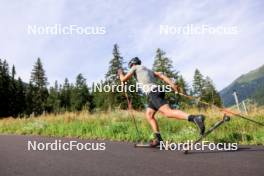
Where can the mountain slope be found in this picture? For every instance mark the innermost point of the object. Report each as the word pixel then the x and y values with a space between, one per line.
pixel 250 85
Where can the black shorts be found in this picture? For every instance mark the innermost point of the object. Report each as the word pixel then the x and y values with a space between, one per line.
pixel 156 100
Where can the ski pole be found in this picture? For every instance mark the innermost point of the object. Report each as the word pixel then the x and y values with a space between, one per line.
pixel 221 109
pixel 130 110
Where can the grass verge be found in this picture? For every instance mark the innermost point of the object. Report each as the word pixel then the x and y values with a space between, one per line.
pixel 118 126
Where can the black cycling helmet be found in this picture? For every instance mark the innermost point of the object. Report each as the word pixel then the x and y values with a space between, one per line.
pixel 134 60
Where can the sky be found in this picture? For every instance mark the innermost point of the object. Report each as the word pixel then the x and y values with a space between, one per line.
pixel 136 27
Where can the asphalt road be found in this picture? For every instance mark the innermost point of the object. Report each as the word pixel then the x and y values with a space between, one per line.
pixel 120 158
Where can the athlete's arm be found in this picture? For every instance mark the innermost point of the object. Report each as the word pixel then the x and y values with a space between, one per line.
pixel 124 77
pixel 167 80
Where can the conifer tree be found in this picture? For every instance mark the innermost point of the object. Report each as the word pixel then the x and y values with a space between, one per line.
pixel 53 101
pixel 115 63
pixel 29 99
pixel 13 106
pixel 20 97
pixel 12 102
pixel 205 89
pixel 198 84
pixel 114 99
pixel 163 64
pixel 100 98
pixel 13 72
pixel 39 82
pixel 210 93
pixel 183 101
pixel 65 95
pixel 5 92
pixel 81 98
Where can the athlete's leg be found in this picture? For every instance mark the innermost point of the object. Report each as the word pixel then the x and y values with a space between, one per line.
pixel 177 114
pixel 173 113
pixel 150 115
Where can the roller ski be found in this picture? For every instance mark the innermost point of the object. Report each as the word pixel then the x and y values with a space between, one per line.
pixel 215 126
pixel 155 143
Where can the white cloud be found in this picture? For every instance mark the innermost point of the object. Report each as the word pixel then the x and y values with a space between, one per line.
pixel 222 57
pixel 135 27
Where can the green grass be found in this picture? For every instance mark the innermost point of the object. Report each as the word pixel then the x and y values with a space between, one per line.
pixel 119 126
